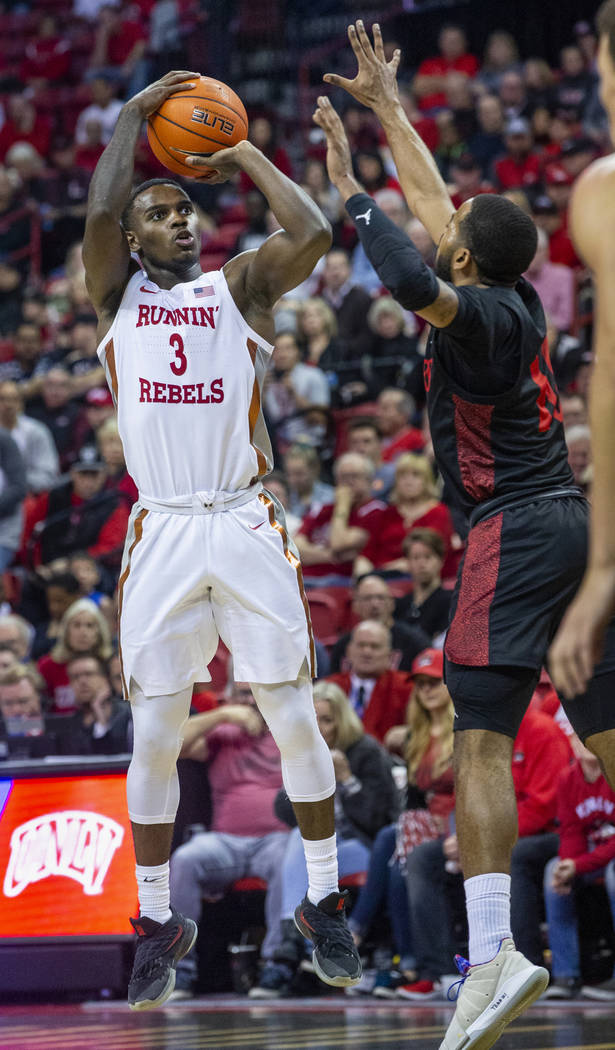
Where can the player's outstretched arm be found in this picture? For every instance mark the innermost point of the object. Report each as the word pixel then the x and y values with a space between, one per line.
pixel 394 257
pixel 375 85
pixel 578 643
pixel 287 257
pixel 105 250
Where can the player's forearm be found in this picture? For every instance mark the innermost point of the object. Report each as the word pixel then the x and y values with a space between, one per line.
pixel 113 177
pixel 295 211
pixel 423 186
pixel 602 414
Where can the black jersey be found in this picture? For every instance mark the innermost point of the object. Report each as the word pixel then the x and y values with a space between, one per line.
pixel 494 411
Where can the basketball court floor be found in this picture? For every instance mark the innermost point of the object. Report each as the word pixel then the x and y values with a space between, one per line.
pixel 229 1023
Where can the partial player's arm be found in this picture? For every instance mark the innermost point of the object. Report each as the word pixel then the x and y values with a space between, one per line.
pixel 394 257
pixel 579 641
pixel 375 86
pixel 287 257
pixel 105 250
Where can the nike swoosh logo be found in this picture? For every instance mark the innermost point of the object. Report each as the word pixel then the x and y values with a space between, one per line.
pixel 179 934
pixel 306 923
pixel 255 527
pixel 149 291
pixel 156 878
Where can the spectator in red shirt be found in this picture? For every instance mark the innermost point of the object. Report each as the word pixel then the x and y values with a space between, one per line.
pixel 586 814
pixel 378 695
pixel 414 504
pixel 559 185
pixel 24 124
pixel 331 537
pixel 429 83
pixel 120 45
pixel 519 166
pixel 394 411
pixel 548 218
pixel 83 632
pixel 47 55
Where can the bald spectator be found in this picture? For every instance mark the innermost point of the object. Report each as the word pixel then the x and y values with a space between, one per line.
pixel 55 408
pixel 16 634
pixel 394 413
pixel 349 302
pixel 330 538
pixel 378 694
pixel 554 283
pixel 579 441
pixel 364 437
pixel 33 439
pixel 307 492
pixel 372 600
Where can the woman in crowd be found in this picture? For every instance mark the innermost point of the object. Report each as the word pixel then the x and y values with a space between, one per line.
pixel 365 801
pixel 83 632
pixel 428 749
pixel 317 333
pixel 414 504
pixel 112 452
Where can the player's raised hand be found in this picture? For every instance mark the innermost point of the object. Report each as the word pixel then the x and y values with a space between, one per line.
pixel 579 641
pixel 152 97
pixel 339 160
pixel 375 84
pixel 222 165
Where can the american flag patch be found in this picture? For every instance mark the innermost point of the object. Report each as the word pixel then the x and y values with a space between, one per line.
pixel 204 290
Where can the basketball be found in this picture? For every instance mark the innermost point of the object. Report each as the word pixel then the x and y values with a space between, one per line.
pixel 202 120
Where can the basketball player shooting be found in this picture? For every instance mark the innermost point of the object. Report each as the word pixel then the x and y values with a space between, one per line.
pixel 497 434
pixel 207 553
pixel 580 640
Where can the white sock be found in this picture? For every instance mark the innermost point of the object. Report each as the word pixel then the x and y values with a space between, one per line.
pixel 154 894
pixel 321 860
pixel 488 907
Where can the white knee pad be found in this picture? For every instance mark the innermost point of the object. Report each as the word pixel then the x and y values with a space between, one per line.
pixel 152 786
pixel 307 767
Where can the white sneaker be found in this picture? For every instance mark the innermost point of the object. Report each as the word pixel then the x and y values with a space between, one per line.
pixel 491 996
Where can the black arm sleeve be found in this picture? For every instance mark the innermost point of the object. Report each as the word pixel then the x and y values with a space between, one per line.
pixel 395 259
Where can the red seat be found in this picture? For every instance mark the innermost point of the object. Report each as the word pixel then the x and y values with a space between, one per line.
pixel 329 610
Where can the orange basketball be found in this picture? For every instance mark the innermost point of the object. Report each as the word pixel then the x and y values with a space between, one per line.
pixel 202 120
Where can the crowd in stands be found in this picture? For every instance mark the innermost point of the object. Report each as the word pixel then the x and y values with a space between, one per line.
pixel 380 541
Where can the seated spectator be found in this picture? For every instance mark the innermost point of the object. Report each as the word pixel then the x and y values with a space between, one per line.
pixel 78 515
pixel 574 86
pixel 350 303
pixel 394 412
pixel 487 142
pixel 554 283
pixel 306 491
pixel 104 107
pixel 579 442
pixel 558 184
pixel 101 724
pixel 112 452
pixel 55 408
pixel 16 635
pixel 246 838
pixel 12 491
pixel 548 218
pixel 83 632
pixel 392 203
pixel 539 753
pixel 81 359
pixel 585 809
pixel 378 695
pixel 291 386
pixel 33 439
pixel 519 166
pixel 61 591
pixel 317 330
pixel 364 437
pixel 513 95
pixel 574 410
pixel 539 81
pixel 277 485
pixel 28 364
pixel 394 358
pixel 256 231
pixel 365 801
pixel 428 604
pixel 119 48
pixel 89 152
pixel 262 134
pixel 315 182
pixel 333 535
pixel 47 55
pixel 467 179
pixel 22 725
pixel 430 81
pixel 372 173
pixel 24 124
pixel 90 576
pixel 98 407
pixel 66 194
pixel 428 755
pixel 501 55
pixel 413 504
pixel 372 600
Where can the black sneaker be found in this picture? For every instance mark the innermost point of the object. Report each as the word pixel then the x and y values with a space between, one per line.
pixel 160 946
pixel 335 956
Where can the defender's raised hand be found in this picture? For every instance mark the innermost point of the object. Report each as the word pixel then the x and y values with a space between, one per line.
pixel 152 97
pixel 375 84
pixel 339 160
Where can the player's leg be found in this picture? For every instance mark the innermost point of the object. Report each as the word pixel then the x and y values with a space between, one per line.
pixel 499 982
pixel 309 779
pixel 152 788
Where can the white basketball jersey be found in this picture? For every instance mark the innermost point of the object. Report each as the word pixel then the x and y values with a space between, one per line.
pixel 186 372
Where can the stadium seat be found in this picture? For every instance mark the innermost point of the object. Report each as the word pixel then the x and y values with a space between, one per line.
pixel 329 609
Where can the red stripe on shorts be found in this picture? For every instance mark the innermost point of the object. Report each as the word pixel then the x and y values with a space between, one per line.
pixel 467 641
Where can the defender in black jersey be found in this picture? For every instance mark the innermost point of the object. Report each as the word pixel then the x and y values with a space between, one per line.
pixel 498 440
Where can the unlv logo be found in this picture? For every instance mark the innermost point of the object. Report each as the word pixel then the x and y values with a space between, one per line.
pixel 212 120
pixel 427 365
pixel 74 843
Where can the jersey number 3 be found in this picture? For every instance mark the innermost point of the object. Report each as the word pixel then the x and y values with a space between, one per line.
pixel 547 400
pixel 180 364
